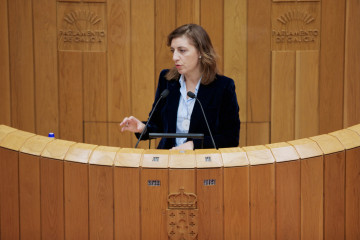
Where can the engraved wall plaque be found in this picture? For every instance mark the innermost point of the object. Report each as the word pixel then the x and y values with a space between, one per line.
pixel 295 26
pixel 82 27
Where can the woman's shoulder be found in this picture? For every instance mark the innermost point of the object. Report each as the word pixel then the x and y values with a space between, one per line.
pixel 224 81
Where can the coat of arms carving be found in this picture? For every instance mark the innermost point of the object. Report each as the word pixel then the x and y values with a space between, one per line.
pixel 182 216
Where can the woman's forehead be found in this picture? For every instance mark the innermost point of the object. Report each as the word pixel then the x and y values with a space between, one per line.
pixel 181 41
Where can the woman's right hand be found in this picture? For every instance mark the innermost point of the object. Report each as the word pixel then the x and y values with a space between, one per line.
pixel 132 124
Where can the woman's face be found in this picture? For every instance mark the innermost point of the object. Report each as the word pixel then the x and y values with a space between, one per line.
pixel 185 56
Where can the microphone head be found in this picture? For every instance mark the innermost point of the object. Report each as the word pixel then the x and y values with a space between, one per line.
pixel 165 93
pixel 191 94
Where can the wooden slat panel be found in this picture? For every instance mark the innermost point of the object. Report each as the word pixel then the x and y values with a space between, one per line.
pixel 95 101
pixel 46 75
pixel 52 198
pixel 307 94
pixel 212 20
pixel 142 57
pixel 262 202
pixel 235 44
pixel 288 215
pixel 352 204
pixel 76 196
pixel 257 133
pixel 312 198
pixel 9 194
pixel 5 104
pixel 96 133
pixel 282 96
pixel 258 55
pixel 236 203
pixel 119 62
pixel 165 23
pixel 118 138
pixel 153 204
pixel 21 65
pixel 243 134
pixel 334 196
pixel 101 202
pixel 70 96
pixel 182 178
pixel 331 83
pixel 187 11
pixel 210 204
pixel 127 203
pixel 352 62
pixel 29 191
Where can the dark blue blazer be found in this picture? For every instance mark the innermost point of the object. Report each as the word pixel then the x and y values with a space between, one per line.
pixel 220 106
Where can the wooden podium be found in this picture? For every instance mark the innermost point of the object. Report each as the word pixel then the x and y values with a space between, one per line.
pixel 301 189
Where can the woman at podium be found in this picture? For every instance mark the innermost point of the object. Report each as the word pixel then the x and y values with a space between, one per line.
pixel 193 83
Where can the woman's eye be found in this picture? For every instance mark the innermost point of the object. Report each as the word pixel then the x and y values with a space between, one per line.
pixel 182 50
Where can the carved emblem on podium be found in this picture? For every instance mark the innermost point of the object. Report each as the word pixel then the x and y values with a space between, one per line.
pixel 182 215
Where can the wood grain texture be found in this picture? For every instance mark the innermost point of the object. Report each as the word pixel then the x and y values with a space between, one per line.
pixel 127 203
pixel 154 204
pixel 334 196
pixel 164 24
pixel 9 194
pixel 76 200
pixel 235 46
pixel 187 11
pixel 258 57
pixel 331 81
pixel 118 138
pixel 352 194
pixel 96 133
pixel 70 96
pixel 29 193
pixel 288 214
pixel 119 70
pixel 312 198
pixel 95 86
pixel 257 133
pixel 142 61
pixel 22 65
pixel 184 178
pixel 5 104
pixel 262 202
pixel 282 96
pixel 101 202
pixel 46 67
pixel 212 20
pixel 210 204
pixel 52 198
pixel 236 203
pixel 352 62
pixel 307 94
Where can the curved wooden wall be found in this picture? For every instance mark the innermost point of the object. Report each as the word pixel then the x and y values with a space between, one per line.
pixel 288 87
pixel 301 189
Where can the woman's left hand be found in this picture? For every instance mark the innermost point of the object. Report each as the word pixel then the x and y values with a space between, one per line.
pixel 185 146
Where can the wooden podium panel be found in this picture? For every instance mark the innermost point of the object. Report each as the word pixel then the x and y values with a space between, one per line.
pixel 127 203
pixel 288 215
pixel 334 195
pixel 154 188
pixel 52 198
pixel 9 194
pixel 29 191
pixel 236 203
pixel 101 202
pixel 76 196
pixel 352 194
pixel 312 198
pixel 210 203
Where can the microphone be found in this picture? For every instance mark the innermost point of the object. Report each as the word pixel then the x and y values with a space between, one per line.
pixel 192 95
pixel 164 94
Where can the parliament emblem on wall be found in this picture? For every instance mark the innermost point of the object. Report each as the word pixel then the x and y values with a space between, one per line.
pixel 295 26
pixel 182 216
pixel 82 27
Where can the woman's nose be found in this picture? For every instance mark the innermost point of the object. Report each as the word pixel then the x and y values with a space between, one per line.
pixel 175 56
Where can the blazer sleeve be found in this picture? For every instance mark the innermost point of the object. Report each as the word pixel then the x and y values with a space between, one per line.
pixel 227 127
